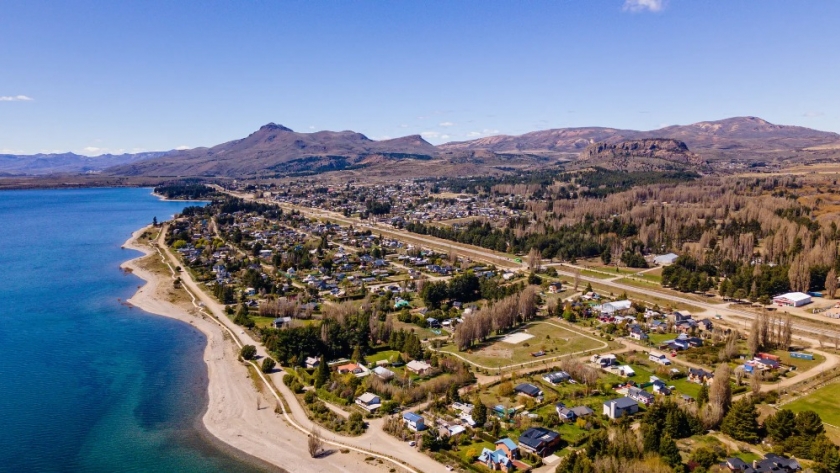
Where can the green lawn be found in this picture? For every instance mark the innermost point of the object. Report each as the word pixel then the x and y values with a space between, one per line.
pixel 823 401
pixel 552 339
pixel 801 365
pixel 597 274
pixel 389 355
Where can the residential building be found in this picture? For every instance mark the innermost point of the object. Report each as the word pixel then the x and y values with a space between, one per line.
pixel 369 402
pixel 496 461
pixel 557 377
pixel 539 440
pixel 528 389
pixel 414 422
pixel 620 407
pixel 418 367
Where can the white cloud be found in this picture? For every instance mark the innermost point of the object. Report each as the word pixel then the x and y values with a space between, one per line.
pixel 91 149
pixel 444 137
pixel 644 5
pixel 403 126
pixel 15 98
pixel 812 114
pixel 474 134
pixel 447 124
pixel 430 134
pixel 182 147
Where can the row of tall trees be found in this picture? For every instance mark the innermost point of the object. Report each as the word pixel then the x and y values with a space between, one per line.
pixel 498 317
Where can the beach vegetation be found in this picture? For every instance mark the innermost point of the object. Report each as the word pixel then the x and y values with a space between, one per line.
pixel 268 364
pixel 248 352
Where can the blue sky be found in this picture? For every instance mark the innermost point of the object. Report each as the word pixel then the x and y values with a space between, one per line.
pixel 104 76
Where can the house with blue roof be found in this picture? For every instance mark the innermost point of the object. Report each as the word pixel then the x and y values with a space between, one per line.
pixel 509 447
pixel 496 461
pixel 414 422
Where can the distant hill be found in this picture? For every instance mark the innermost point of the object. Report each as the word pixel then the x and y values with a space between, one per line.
pixel 739 138
pixel 66 163
pixel 653 154
pixel 277 149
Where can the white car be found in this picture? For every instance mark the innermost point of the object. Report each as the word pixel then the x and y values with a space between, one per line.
pixel 412 443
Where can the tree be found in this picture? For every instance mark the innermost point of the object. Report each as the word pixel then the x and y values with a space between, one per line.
pixel 669 452
pixel 479 413
pixel 434 293
pixel 781 425
pixel 315 442
pixel 809 424
pixel 705 457
pixel 322 372
pixel 741 422
pixel 831 283
pixel 755 384
pixel 154 221
pixel 248 352
pixel 268 364
pixel 703 395
pixel 575 462
pixel 720 392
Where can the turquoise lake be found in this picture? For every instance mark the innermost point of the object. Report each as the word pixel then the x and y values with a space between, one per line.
pixel 88 384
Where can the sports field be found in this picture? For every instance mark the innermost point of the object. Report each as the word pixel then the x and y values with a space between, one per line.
pixel 548 337
pixel 825 401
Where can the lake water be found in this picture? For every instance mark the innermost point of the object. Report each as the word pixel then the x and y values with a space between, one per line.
pixel 88 384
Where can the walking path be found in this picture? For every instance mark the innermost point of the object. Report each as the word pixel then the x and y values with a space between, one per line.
pixel 398 453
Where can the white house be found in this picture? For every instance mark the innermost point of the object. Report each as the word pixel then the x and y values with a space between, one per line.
pixel 383 373
pixel 792 299
pixel 659 358
pixel 620 407
pixel 418 367
pixel 369 402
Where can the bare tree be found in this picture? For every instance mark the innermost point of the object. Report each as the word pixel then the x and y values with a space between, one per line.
pixel 315 443
pixel 831 283
pixel 755 383
pixel 577 278
pixel 720 391
pixel 534 259
pixel 753 339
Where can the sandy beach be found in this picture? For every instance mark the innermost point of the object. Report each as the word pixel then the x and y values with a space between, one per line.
pixel 232 414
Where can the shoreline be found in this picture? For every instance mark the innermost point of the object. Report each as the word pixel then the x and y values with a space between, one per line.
pixel 231 420
pixel 145 300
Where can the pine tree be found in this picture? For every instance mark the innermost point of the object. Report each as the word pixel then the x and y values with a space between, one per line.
pixel 781 425
pixel 322 373
pixel 479 413
pixel 741 422
pixel 669 452
pixel 703 395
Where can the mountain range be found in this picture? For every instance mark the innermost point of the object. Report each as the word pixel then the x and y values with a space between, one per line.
pixel 275 150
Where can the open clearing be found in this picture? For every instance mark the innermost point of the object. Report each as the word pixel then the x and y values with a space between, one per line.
pixel 823 401
pixel 548 337
pixel 516 338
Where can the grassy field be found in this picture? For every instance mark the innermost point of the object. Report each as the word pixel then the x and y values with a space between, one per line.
pixel 597 274
pixel 823 401
pixel 801 365
pixel 682 385
pixel 552 339
pixel 387 355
